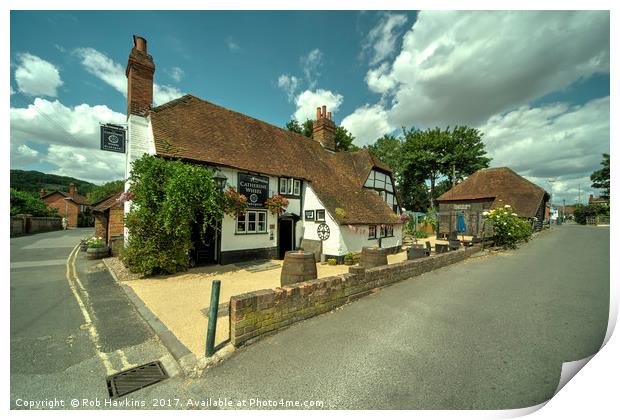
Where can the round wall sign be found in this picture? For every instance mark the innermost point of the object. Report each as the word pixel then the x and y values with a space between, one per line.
pixel 323 231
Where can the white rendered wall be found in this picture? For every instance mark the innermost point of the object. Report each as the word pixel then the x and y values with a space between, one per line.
pixel 333 245
pixel 354 241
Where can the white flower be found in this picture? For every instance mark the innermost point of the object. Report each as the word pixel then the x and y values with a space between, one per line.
pixel 514 214
pixel 507 206
pixel 504 223
pixel 485 213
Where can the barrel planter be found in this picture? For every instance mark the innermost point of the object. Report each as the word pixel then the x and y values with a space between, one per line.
pixel 97 253
pixel 416 251
pixel 454 245
pixel 298 266
pixel 83 245
pixel 373 257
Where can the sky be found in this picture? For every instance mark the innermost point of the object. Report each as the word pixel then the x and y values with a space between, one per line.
pixel 535 83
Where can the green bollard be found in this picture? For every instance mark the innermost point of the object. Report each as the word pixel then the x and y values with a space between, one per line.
pixel 215 300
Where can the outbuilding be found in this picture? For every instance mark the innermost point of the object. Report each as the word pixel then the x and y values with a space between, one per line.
pixel 70 205
pixel 487 189
pixel 338 201
pixel 109 221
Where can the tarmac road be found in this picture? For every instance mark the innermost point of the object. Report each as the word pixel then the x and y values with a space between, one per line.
pixel 488 333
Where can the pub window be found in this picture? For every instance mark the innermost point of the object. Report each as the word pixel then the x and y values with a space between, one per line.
pixel 320 216
pixel 389 230
pixel 382 231
pixel 252 222
pixel 290 186
pixel 372 232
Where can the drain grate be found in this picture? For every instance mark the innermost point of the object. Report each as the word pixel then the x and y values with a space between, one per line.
pixel 133 379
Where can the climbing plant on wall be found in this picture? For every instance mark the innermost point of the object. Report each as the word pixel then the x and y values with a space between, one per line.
pixel 168 198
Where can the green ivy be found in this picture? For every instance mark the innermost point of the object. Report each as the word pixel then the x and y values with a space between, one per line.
pixel 169 198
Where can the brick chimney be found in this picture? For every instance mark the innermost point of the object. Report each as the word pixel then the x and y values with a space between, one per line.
pixel 139 72
pixel 324 129
pixel 42 192
pixel 72 190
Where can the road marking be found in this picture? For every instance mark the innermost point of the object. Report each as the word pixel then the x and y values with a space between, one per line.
pixel 43 263
pixel 124 361
pixel 92 330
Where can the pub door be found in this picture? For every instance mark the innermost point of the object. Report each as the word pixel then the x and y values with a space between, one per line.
pixel 286 238
pixel 205 246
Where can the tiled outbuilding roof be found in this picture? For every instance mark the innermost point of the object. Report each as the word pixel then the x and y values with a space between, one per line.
pixel 107 203
pixel 502 184
pixel 197 130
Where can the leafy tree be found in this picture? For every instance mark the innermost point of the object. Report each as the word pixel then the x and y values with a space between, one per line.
pixel 23 202
pixel 344 139
pixel 465 153
pixel 103 191
pixel 389 150
pixel 434 153
pixel 304 129
pixel 582 212
pixel 600 178
pixel 169 198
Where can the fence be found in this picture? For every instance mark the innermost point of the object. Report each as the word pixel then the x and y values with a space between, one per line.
pixel 24 224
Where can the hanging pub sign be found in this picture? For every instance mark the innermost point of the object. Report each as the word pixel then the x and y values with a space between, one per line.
pixel 113 138
pixel 255 188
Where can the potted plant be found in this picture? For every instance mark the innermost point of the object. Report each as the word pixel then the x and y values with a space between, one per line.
pixel 332 261
pixel 348 259
pixel 96 248
pixel 277 204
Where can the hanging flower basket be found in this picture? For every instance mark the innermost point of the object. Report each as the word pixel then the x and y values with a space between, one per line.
pixel 235 204
pixel 277 204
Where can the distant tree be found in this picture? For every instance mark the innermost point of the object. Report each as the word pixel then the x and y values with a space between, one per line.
pixel 23 202
pixel 344 140
pixel 33 181
pixel 600 178
pixel 304 129
pixel 435 153
pixel 389 150
pixel 103 191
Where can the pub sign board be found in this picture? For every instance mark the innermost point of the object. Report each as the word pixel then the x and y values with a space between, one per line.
pixel 113 138
pixel 255 188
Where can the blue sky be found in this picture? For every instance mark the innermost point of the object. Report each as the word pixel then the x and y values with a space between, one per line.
pixel 534 83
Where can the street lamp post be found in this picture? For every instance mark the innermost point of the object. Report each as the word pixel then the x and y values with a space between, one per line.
pixel 550 182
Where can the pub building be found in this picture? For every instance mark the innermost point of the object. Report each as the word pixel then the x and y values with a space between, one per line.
pixel 338 201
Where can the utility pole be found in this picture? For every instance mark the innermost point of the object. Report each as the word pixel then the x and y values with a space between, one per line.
pixel 579 189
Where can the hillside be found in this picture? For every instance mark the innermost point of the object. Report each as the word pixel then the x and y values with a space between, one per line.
pixel 33 181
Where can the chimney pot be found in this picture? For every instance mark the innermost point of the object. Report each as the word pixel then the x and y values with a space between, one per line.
pixel 318 113
pixel 329 115
pixel 139 43
pixel 324 113
pixel 42 192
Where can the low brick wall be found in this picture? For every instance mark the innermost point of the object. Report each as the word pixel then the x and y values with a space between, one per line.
pixel 256 313
pixel 22 225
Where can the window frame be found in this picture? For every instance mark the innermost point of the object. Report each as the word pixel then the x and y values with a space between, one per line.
pixel 373 229
pixel 246 221
pixel 290 187
pixel 317 217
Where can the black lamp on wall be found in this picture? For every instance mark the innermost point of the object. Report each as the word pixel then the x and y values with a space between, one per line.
pixel 220 180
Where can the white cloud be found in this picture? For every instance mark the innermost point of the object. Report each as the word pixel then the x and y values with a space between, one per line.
pixel 289 85
pixel 35 76
pixel 464 67
pixel 381 40
pixel 71 135
pixel 308 101
pixel 176 73
pixel 367 124
pixel 310 65
pixel 551 142
pixel 112 73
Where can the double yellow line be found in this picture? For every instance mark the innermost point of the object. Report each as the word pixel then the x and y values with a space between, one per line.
pixel 82 298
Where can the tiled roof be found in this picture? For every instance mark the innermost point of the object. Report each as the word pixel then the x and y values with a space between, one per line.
pixel 108 202
pixel 197 130
pixel 503 184
pixel 79 199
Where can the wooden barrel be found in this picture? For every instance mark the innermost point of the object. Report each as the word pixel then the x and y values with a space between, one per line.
pixel 96 253
pixel 298 266
pixel 373 257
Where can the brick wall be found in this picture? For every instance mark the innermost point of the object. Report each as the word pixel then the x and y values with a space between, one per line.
pixel 101 226
pixel 21 225
pixel 260 312
pixel 65 208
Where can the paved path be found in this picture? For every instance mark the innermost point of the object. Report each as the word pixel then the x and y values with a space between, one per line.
pixel 55 352
pixel 488 333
